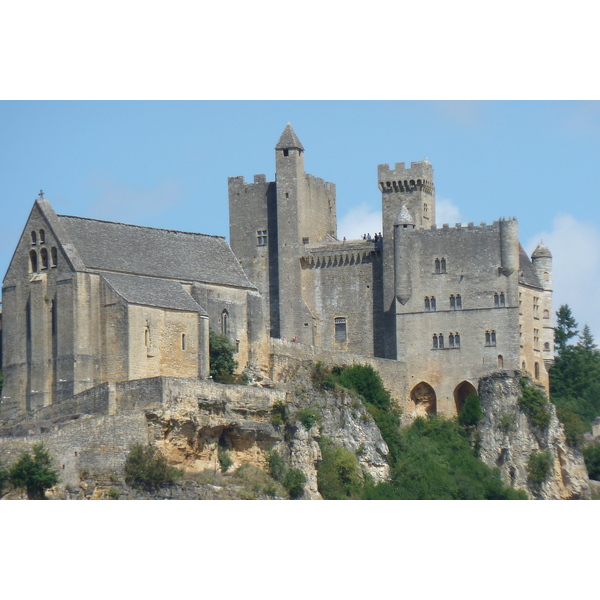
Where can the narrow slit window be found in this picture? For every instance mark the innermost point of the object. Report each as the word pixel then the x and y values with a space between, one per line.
pixel 433 303
pixel 435 340
pixel 443 265
pixel 225 322
pixel 502 299
pixel 458 301
pixel 42 236
pixel 496 300
pixel 32 261
pixel 54 257
pixel 452 302
pixel 441 340
pixel 437 265
pixel 456 340
pixel 44 258
pixel 427 303
pixel 451 340
pixel 183 341
pixel 33 238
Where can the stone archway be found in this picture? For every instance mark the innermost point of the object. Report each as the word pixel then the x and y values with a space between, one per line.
pixel 424 399
pixel 461 392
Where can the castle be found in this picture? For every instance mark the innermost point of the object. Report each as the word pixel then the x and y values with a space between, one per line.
pixel 87 302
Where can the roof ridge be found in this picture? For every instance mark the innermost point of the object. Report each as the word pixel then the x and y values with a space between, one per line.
pixel 142 226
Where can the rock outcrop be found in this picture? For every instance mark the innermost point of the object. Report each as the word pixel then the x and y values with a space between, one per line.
pixel 508 439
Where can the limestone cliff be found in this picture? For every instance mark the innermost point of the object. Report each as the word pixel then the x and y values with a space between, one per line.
pixel 507 440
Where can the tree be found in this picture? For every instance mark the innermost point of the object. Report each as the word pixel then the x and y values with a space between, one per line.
pixel 222 363
pixel 146 468
pixel 566 328
pixel 575 374
pixel 471 412
pixel 34 473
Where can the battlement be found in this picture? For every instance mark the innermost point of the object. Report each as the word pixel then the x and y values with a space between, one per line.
pixel 483 226
pixel 419 176
pixel 240 181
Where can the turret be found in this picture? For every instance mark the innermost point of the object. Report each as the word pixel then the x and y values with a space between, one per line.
pixel 402 280
pixel 509 246
pixel 542 263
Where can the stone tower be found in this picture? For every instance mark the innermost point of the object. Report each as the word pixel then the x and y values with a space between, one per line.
pixel 410 190
pixel 270 223
pixel 542 263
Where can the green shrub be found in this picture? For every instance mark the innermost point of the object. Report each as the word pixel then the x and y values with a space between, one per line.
pixel 294 483
pixel 146 468
pixel 114 494
pixel 365 380
pixel 277 466
pixel 224 459
pixel 308 417
pixel 339 476
pixel 506 423
pixel 34 473
pixel 3 476
pixel 573 424
pixel 538 466
pixel 222 363
pixel 471 412
pixel 591 455
pixel 322 377
pixel 280 413
pixel 534 404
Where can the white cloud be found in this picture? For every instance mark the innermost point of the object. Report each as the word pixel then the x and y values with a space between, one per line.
pixel 359 220
pixel 575 248
pixel 446 212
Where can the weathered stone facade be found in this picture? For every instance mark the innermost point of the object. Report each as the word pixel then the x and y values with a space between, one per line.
pixel 449 304
pixel 87 302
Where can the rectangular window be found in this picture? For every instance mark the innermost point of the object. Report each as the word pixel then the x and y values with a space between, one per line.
pixel 340 329
pixel 261 237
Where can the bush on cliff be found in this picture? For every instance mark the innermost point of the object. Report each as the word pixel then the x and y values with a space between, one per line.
pixel 538 466
pixel 222 363
pixel 534 404
pixel 471 412
pixel 34 473
pixel 591 455
pixel 339 476
pixel 146 468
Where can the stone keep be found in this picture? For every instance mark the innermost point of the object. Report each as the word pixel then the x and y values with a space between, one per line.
pixel 450 304
pixel 87 302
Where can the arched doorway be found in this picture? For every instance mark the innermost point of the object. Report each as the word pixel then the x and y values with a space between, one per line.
pixel 461 392
pixel 424 398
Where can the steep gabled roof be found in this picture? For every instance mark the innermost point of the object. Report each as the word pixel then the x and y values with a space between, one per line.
pixel 151 291
pixel 288 139
pixel 529 276
pixel 107 246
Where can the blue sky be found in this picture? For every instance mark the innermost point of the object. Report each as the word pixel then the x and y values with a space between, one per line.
pixel 165 164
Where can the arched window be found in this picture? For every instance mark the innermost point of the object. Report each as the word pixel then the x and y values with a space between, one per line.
pixel 458 301
pixel 500 361
pixel 32 261
pixel 451 340
pixel 546 314
pixel 42 236
pixel 443 265
pixel 435 341
pixel 225 322
pixel 456 340
pixel 54 257
pixel 427 304
pixel 147 337
pixel 493 338
pixel 33 238
pixel 536 367
pixel 44 258
pixel 452 302
pixel 441 340
pixel 502 300
pixel 432 302
pixel 547 346
pixel 437 265
pixel 487 338
pixel 496 300
pixel 546 276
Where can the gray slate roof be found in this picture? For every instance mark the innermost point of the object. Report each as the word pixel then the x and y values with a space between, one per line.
pixel 150 291
pixel 529 276
pixel 132 249
pixel 288 139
